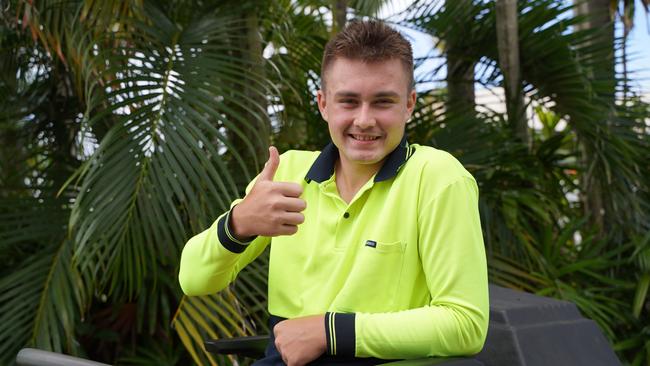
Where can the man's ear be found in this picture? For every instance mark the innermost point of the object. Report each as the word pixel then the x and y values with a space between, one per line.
pixel 410 103
pixel 322 103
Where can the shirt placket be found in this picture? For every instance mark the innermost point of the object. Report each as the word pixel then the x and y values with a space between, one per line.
pixel 347 215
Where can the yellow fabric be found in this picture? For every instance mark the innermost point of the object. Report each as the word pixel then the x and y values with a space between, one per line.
pixel 409 260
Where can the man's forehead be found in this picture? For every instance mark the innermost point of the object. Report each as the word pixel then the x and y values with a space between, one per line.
pixel 343 62
pixel 342 70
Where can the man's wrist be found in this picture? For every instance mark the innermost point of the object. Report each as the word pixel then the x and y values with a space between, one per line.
pixel 340 334
pixel 237 227
pixel 226 236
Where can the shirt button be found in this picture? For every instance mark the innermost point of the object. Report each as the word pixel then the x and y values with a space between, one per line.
pixel 346 215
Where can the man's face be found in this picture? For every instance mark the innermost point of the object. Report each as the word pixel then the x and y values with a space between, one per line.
pixel 366 106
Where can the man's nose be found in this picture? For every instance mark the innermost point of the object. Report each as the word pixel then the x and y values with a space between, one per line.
pixel 365 119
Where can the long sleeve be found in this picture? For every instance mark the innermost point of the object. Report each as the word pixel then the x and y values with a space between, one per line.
pixel 453 258
pixel 212 259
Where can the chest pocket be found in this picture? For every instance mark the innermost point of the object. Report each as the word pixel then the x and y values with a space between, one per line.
pixel 373 279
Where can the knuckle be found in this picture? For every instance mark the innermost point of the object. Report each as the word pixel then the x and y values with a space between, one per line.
pixel 276 203
pixel 270 187
pixel 275 220
pixel 284 231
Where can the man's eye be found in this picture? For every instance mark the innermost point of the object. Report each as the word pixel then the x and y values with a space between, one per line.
pixel 348 101
pixel 384 101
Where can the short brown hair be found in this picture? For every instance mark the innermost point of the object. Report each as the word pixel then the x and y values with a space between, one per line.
pixel 368 41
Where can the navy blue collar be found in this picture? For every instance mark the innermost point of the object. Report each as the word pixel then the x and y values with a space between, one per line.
pixel 323 167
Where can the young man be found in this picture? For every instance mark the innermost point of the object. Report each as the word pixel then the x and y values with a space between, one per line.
pixel 376 245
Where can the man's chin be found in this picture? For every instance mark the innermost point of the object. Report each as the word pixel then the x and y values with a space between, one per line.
pixel 366 160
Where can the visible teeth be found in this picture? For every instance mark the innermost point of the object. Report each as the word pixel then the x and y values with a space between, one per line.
pixel 364 138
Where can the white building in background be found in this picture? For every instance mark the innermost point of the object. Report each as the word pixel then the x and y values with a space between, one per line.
pixel 493 100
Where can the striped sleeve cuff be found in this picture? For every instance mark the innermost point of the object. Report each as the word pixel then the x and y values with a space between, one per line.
pixel 226 236
pixel 339 332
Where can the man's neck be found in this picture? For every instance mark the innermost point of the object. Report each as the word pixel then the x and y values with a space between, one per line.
pixel 351 177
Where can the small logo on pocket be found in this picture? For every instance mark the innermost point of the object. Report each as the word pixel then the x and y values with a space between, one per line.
pixel 371 243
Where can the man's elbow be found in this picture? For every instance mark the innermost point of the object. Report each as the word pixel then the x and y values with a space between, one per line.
pixel 474 338
pixel 470 334
pixel 188 285
pixel 470 344
pixel 195 276
pixel 187 277
pixel 193 281
pixel 475 346
pixel 195 284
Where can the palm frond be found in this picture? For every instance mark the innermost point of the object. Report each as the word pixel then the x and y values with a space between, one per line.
pixel 41 303
pixel 175 92
pixel 200 318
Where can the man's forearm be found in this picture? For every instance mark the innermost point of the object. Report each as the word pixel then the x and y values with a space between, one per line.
pixel 437 330
pixel 211 260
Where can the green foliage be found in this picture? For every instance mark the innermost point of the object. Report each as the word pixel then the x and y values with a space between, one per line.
pixel 128 127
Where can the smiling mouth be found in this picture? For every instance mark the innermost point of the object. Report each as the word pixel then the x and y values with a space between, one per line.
pixel 364 137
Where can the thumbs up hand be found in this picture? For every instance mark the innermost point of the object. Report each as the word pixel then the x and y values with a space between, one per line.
pixel 270 208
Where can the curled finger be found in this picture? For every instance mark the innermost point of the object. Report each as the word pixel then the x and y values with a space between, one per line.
pixel 288 229
pixel 293 218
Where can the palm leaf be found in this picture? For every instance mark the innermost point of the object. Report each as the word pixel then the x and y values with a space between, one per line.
pixel 42 301
pixel 43 296
pixel 179 98
pixel 164 161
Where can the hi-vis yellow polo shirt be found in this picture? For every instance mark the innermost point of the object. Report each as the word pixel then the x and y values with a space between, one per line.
pixel 400 271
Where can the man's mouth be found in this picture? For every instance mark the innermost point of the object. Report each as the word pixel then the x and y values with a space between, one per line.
pixel 364 137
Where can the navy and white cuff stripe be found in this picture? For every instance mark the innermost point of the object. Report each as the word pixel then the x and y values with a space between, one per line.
pixel 226 236
pixel 340 335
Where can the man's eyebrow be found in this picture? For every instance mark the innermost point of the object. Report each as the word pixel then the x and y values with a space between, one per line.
pixel 348 94
pixel 385 94
pixel 381 94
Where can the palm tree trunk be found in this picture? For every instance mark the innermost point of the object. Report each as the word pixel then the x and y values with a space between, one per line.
pixel 257 61
pixel 626 33
pixel 508 48
pixel 340 13
pixel 598 17
pixel 460 68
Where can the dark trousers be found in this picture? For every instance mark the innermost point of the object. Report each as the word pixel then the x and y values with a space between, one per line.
pixel 272 356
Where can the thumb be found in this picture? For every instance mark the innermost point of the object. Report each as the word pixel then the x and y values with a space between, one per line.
pixel 271 165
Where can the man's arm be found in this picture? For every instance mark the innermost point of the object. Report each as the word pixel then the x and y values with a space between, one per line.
pixel 213 258
pixel 455 320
